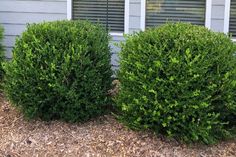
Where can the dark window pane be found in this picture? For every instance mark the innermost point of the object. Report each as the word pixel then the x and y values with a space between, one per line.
pixel 232 23
pixel 109 13
pixel 159 12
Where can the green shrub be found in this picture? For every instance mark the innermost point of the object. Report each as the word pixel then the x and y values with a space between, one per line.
pixel 60 70
pixel 179 80
pixel 2 56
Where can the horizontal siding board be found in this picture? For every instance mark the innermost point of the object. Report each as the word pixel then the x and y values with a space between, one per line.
pixel 24 18
pixel 218 12
pixel 114 44
pixel 9 41
pixel 135 16
pixel 115 50
pixel 134 22
pixel 217 25
pixel 135 1
pixel 33 6
pixel 115 69
pixel 8 52
pixel 135 9
pixel 15 14
pixel 14 21
pixel 13 29
pixel 114 59
pixel 118 38
pixel 218 2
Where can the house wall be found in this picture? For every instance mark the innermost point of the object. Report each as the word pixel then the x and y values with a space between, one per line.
pixel 134 26
pixel 116 39
pixel 135 9
pixel 217 15
pixel 134 16
pixel 14 14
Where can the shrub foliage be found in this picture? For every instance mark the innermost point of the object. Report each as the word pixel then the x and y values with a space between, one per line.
pixel 60 70
pixel 179 80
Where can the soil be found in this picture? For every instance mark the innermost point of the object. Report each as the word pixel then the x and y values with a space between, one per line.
pixel 102 137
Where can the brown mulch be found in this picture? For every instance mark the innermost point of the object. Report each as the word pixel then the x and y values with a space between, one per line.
pixel 98 138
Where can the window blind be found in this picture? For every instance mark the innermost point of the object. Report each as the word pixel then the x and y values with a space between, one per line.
pixel 232 21
pixel 109 13
pixel 160 11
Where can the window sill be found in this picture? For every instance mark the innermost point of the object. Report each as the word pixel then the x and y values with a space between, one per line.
pixel 116 34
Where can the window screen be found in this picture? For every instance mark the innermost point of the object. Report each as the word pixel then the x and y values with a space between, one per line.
pixel 232 23
pixel 109 13
pixel 160 11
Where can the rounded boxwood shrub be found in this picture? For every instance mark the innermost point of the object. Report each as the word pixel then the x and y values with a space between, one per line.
pixel 179 80
pixel 60 70
pixel 2 57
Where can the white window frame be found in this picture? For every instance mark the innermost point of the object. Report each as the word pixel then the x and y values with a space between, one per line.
pixel 227 17
pixel 126 18
pixel 207 15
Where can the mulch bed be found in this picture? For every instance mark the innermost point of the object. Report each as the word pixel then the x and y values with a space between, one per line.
pixel 104 136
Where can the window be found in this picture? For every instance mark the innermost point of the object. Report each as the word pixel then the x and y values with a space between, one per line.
pixel 160 11
pixel 109 13
pixel 232 20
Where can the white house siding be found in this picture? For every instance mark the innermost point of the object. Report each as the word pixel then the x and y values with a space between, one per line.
pixel 217 15
pixel 116 39
pixel 134 25
pixel 15 14
pixel 134 15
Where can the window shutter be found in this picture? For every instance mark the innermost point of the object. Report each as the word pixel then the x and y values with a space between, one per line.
pixel 232 23
pixel 107 12
pixel 160 11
